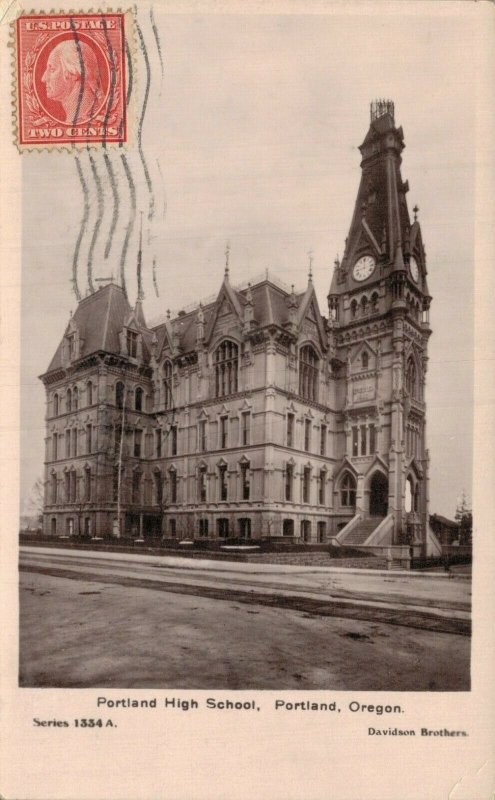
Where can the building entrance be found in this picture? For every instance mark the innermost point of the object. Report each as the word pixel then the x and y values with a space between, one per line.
pixel 378 495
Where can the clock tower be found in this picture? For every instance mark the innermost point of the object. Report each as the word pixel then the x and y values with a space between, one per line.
pixel 379 310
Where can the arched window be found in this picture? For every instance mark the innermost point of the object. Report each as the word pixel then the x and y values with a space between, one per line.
pixel 226 368
pixel 68 400
pixel 89 394
pixel 75 398
pixel 374 302
pixel 119 395
pixel 138 399
pixel 167 384
pixel 411 378
pixel 55 405
pixel 157 477
pixel 136 486
pixel 365 359
pixel 364 305
pixel 348 491
pixel 409 498
pixel 54 487
pixel 308 373
pixel 87 483
pixel 354 306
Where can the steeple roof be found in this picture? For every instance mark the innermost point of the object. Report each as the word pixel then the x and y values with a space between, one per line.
pixel 381 219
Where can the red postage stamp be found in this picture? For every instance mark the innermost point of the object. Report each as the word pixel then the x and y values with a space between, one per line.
pixel 71 79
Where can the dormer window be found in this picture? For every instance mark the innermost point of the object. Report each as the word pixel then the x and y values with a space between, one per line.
pixel 71 341
pixel 226 368
pixel 365 360
pixel 132 342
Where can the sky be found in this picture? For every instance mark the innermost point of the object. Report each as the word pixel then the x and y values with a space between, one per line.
pixel 250 137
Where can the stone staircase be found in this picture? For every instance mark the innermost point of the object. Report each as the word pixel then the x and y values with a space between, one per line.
pixel 362 531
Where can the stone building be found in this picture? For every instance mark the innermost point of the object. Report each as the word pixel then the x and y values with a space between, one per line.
pixel 255 415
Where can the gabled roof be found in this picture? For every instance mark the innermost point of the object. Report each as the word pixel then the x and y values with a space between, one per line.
pixel 98 319
pixel 270 307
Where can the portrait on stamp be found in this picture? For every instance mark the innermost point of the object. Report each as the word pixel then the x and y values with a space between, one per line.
pixel 70 79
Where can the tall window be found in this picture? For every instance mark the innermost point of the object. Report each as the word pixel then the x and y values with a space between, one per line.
pixel 348 491
pixel 67 444
pixel 364 305
pixel 226 368
pixel 138 399
pixel 55 447
pixel 89 393
pixel 290 430
pixel 132 339
pixel 306 530
pixel 289 479
pixel 138 443
pixel 173 440
pixel 224 432
pixel 222 528
pixel 74 441
pixel 308 373
pixel 203 528
pixel 321 487
pixel 173 485
pixel 54 487
pixel 158 443
pixel 411 378
pixel 374 302
pixel 119 395
pixel 55 405
pixel 354 306
pixel 245 528
pixel 372 434
pixel 363 440
pixel 136 486
pixel 167 384
pixel 157 477
pixel 87 483
pixel 306 484
pixel 288 527
pixel 202 476
pixel 307 434
pixel 172 525
pixel 365 359
pixel 68 400
pixel 89 438
pixel 73 486
pixel 202 435
pixel 322 532
pixel 245 483
pixel 75 398
pixel 355 443
pixel 222 477
pixel 115 483
pixel 323 440
pixel 245 427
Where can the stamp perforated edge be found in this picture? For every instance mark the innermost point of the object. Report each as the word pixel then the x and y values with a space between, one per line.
pixel 75 147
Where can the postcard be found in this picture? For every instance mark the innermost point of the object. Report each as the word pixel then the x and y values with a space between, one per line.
pixel 247 400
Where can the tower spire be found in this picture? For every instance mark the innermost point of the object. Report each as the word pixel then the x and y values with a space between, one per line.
pixel 227 259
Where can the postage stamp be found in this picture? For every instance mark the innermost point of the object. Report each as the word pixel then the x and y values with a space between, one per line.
pixel 71 79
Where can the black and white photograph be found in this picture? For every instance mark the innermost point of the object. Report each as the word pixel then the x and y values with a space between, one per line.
pixel 248 253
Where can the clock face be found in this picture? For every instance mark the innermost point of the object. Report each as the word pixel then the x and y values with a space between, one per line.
pixel 363 268
pixel 413 266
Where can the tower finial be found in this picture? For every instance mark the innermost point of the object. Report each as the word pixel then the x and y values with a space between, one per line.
pixel 415 210
pixel 310 272
pixel 227 259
